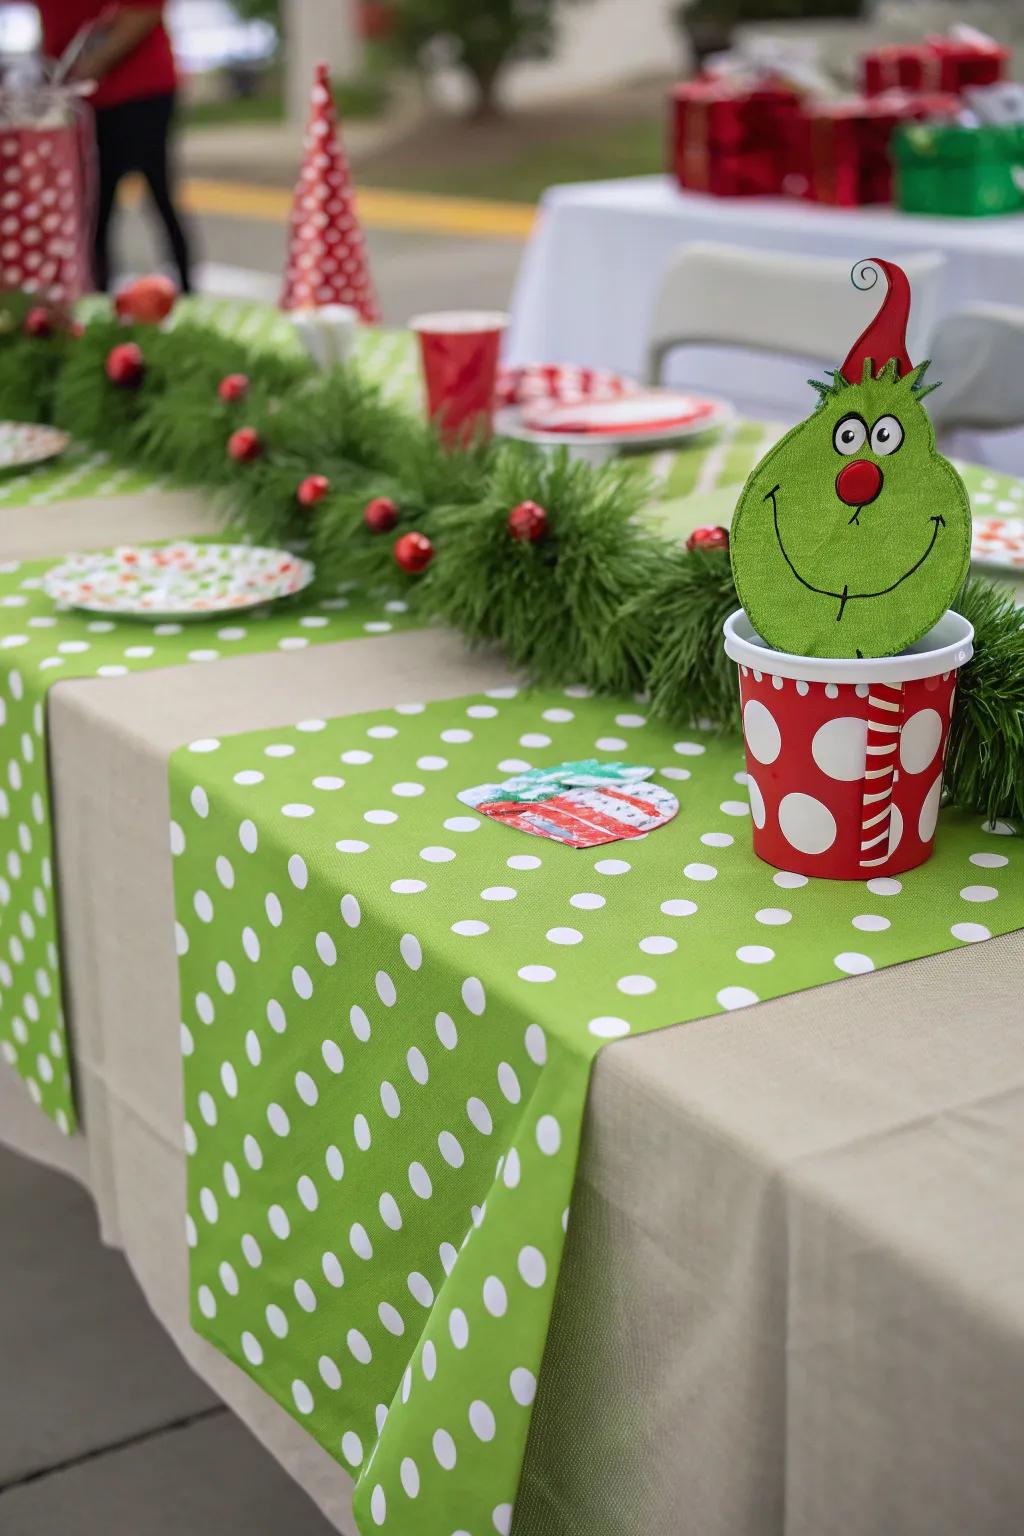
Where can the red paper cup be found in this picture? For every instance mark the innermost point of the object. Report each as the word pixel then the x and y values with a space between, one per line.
pixel 459 350
pixel 845 757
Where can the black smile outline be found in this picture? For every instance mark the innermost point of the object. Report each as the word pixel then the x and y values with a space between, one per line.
pixel 846 596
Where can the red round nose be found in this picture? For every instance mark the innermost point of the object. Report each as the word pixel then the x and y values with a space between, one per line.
pixel 859 482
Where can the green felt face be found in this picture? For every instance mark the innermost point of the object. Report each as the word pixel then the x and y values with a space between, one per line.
pixel 853 535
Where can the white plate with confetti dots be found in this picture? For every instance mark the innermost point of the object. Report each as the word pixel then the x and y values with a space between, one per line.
pixel 998 542
pixel 177 581
pixel 24 443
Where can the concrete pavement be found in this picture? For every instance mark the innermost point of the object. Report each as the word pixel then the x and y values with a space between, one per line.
pixel 414 270
pixel 104 1430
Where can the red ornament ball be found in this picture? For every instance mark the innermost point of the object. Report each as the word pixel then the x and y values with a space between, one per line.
pixel 528 522
pixel 147 301
pixel 39 322
pixel 313 489
pixel 233 387
pixel 126 365
pixel 381 514
pixel 708 538
pixel 245 445
pixel 414 552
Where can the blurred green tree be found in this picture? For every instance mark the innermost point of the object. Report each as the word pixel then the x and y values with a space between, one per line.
pixel 481 37
pixel 259 10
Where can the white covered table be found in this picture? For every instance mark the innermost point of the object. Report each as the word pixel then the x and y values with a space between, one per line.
pixel 588 282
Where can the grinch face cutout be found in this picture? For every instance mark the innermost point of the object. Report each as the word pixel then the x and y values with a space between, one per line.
pixel 853 535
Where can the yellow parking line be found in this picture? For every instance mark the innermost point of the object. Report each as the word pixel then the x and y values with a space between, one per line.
pixel 379 208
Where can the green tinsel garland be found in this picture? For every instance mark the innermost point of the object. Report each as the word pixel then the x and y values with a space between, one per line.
pixel 602 599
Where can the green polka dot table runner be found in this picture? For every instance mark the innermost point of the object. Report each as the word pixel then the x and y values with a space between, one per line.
pixel 390 1007
pixel 41 645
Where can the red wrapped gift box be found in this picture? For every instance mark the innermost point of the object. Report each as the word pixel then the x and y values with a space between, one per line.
pixel 734 140
pixel 849 156
pixel 944 64
pixel 45 196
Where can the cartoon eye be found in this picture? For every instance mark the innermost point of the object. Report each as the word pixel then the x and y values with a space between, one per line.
pixel 851 435
pixel 886 435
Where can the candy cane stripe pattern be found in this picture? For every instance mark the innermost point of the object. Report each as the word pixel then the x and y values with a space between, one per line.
pixel 885 717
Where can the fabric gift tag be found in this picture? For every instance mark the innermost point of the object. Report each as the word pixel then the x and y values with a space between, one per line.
pixel 582 804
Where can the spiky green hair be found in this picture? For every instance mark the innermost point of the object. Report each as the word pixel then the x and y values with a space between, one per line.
pixel 912 381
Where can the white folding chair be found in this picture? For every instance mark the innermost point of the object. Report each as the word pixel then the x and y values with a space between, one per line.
pixel 978 356
pixel 770 301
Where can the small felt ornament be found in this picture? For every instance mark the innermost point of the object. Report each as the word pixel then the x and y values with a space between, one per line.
pixel 414 552
pixel 147 301
pixel 245 445
pixel 528 522
pixel 852 535
pixel 381 514
pixel 233 387
pixel 126 365
pixel 708 538
pixel 313 489
pixel 582 804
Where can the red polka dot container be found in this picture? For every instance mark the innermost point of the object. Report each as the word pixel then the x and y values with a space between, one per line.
pixel 44 197
pixel 845 757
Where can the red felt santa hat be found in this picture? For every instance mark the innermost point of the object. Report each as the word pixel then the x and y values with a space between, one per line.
pixel 326 251
pixel 886 336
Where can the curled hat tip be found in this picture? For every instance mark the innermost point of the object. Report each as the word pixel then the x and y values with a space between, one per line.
pixel 885 337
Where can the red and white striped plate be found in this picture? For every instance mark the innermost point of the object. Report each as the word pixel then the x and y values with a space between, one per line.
pixel 649 413
pixel 561 382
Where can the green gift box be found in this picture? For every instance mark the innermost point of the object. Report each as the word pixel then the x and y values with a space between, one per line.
pixel 969 172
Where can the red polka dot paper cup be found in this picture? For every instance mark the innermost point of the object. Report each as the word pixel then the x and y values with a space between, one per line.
pixel 845 757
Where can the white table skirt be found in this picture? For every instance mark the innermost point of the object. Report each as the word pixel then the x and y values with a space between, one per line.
pixel 589 279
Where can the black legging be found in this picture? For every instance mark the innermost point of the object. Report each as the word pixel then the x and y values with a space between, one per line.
pixel 134 136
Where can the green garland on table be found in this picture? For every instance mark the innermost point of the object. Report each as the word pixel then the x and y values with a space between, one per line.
pixel 600 598
pixel 985 762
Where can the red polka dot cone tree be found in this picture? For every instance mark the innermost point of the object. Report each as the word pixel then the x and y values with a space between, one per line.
pixel 327 261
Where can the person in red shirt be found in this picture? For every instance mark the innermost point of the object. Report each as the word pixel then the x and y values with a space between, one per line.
pixel 126 49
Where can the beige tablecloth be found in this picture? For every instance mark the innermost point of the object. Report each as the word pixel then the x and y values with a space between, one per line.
pixel 793 1298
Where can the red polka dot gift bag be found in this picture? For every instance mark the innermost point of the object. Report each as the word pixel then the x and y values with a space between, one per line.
pixel 845 756
pixel 46 164
pixel 326 251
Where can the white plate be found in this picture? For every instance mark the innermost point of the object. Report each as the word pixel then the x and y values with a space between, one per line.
pixel 181 580
pixel 28 442
pixel 650 410
pixel 595 447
